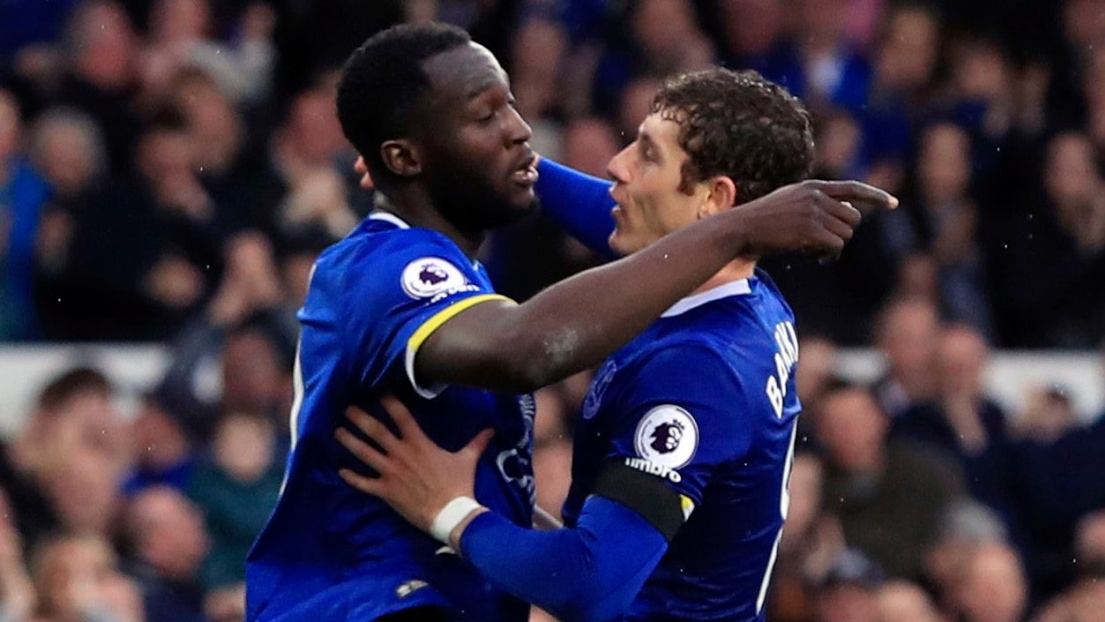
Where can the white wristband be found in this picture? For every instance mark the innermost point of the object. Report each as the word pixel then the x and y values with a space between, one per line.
pixel 452 515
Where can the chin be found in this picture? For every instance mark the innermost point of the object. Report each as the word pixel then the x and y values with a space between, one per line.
pixel 620 245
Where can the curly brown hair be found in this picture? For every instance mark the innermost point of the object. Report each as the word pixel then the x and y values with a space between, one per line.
pixel 738 124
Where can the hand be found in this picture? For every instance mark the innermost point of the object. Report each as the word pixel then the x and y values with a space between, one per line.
pixel 812 216
pixel 416 477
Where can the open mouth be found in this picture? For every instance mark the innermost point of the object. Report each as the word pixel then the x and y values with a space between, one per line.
pixel 525 174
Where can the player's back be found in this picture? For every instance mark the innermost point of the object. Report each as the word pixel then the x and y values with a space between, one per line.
pixel 330 553
pixel 726 449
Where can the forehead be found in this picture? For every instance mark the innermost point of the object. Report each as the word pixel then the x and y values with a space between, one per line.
pixel 662 128
pixel 463 72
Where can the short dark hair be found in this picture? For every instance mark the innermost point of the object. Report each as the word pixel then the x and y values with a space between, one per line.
pixel 383 82
pixel 69 384
pixel 738 124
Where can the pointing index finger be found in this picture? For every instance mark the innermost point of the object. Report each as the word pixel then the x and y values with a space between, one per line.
pixel 861 195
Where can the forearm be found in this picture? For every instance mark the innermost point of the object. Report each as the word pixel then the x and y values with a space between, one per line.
pixel 578 322
pixel 591 572
pixel 579 203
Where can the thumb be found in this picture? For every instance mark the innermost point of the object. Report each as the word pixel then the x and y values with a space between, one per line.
pixel 478 444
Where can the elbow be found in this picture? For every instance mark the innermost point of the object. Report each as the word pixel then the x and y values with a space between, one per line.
pixel 531 359
pixel 594 603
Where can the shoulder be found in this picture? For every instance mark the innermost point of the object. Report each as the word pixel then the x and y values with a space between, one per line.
pixel 419 262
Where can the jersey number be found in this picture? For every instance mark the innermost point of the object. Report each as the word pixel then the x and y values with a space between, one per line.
pixel 784 507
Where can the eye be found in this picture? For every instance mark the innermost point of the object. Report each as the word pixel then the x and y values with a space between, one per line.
pixel 485 115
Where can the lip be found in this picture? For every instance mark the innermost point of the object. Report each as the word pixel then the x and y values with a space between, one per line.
pixel 524 171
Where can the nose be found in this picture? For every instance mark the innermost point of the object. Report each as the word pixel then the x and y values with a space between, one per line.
pixel 618 168
pixel 518 131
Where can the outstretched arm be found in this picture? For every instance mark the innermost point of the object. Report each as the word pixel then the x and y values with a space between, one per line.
pixel 576 323
pixel 578 202
pixel 592 571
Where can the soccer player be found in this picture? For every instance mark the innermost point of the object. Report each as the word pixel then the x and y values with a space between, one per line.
pixel 684 444
pixel 400 306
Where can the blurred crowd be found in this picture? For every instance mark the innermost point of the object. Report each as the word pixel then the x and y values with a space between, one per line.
pixel 170 169
pixel 141 139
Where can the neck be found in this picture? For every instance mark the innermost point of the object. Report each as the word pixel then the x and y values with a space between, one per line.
pixel 734 271
pixel 414 205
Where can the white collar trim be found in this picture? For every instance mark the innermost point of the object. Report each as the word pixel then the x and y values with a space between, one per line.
pixel 389 217
pixel 725 290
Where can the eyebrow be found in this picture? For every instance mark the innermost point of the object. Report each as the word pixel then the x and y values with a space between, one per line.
pixel 488 84
pixel 646 140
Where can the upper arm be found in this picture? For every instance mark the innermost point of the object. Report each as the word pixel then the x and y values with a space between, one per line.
pixel 398 294
pixel 683 413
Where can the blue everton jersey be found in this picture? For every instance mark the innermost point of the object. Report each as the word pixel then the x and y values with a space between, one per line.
pixel 704 400
pixel 329 552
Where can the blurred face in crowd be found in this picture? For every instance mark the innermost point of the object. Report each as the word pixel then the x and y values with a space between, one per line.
pixel 105 44
pixel 962 355
pixel 945 162
pixel 180 20
pixel 169 533
pixel 1089 542
pixel 536 51
pixel 636 103
pixel 908 336
pixel 847 603
pixel 66 150
pixel 982 71
pixel 838 143
pixel 1070 176
pixel 823 19
pixel 1084 22
pixel 589 145
pixel 253 380
pixel 313 128
pixel 165 155
pixel 993 588
pixel 662 27
pixel 752 26
pixel 648 175
pixel 77 574
pixel 83 489
pixel 852 428
pixel 906 59
pixel 10 126
pixel 902 601
pixel 245 446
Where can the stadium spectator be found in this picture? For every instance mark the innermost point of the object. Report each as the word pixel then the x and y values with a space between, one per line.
pixel 992 587
pixel 902 601
pixel 78 580
pixel 871 485
pixel 236 490
pixel 163 450
pixel 849 592
pixel 101 53
pixel 906 335
pixel 17 593
pixel 166 532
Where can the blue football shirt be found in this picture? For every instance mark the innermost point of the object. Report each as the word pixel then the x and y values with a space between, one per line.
pixel 329 552
pixel 704 400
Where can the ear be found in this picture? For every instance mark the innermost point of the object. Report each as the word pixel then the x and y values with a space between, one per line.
pixel 721 194
pixel 401 157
